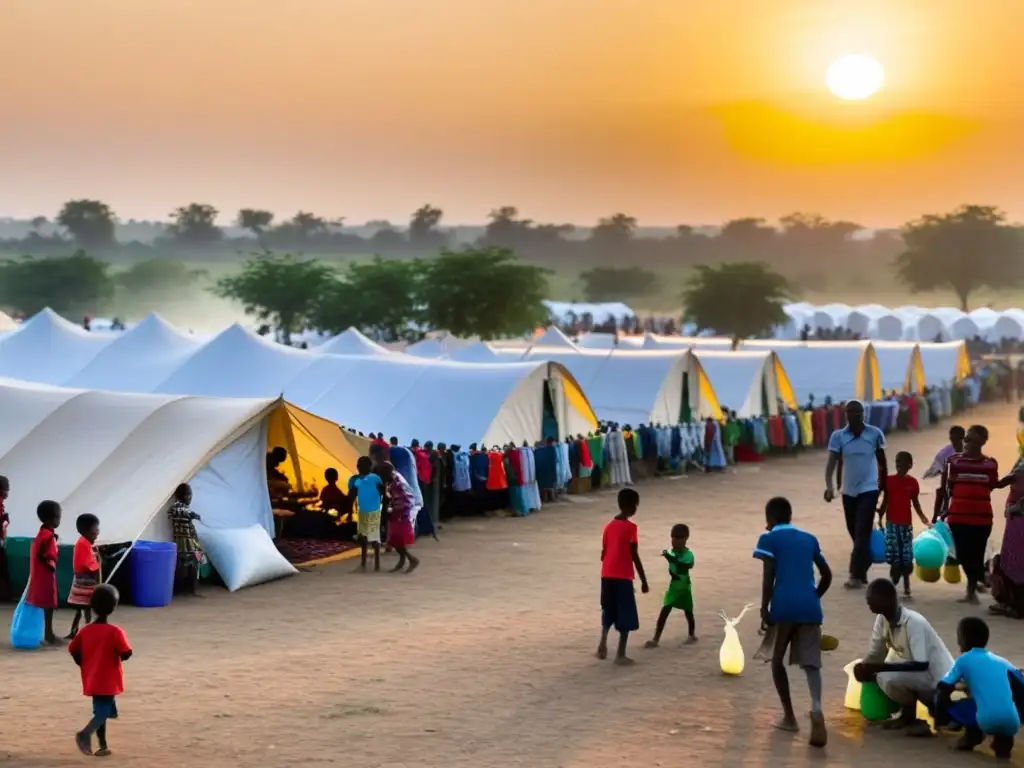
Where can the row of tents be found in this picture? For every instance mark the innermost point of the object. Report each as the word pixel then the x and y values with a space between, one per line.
pixel 906 323
pixel 111 422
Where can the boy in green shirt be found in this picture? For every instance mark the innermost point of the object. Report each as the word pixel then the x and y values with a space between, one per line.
pixel 680 592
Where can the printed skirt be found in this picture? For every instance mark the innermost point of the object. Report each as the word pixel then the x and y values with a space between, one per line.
pixel 899 545
pixel 82 587
pixel 368 526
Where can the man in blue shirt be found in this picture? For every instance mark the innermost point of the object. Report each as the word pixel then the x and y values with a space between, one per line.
pixel 859 451
pixel 996 691
pixel 791 609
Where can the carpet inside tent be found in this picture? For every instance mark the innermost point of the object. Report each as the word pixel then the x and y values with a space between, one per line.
pixel 315 551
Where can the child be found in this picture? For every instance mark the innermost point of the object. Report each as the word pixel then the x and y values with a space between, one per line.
pixel 5 519
pixel 99 648
pixel 619 557
pixel 367 488
pixel 42 567
pixel 679 593
pixel 901 491
pixel 996 703
pixel 86 567
pixel 791 603
pixel 402 510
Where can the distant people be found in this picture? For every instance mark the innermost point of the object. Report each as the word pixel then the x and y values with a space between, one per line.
pixel 969 478
pixel 996 703
pixel 99 650
pixel 277 481
pixel 620 565
pixel 861 449
pixel 86 568
pixel 679 595
pixel 791 609
pixel 805 332
pixel 183 531
pixel 955 445
pixel 42 567
pixel 905 657
pixel 87 323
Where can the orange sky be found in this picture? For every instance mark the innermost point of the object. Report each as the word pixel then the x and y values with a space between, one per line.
pixel 671 110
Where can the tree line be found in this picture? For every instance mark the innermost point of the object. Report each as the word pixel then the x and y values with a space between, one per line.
pixel 489 291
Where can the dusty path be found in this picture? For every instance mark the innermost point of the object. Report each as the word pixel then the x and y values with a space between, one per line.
pixel 484 656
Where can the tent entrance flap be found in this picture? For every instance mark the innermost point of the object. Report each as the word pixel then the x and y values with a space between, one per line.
pixel 685 411
pixel 549 421
pixel 313 444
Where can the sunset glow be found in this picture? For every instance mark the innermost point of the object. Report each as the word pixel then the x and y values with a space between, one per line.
pixel 855 77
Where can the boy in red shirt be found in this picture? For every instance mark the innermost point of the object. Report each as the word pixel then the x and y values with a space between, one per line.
pixel 619 557
pixel 99 648
pixel 901 491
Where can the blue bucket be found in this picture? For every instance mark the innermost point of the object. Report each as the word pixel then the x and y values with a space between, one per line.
pixel 151 566
pixel 877 546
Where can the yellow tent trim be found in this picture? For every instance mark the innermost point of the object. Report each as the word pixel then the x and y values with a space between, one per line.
pixel 313 444
pixel 783 385
pixel 576 399
pixel 707 392
pixel 869 379
pixel 915 373
pixel 963 364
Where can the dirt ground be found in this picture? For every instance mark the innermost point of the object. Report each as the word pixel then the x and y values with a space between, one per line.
pixel 484 656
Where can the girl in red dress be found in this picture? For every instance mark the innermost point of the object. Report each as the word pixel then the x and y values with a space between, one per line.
pixel 42 569
pixel 401 513
pixel 86 566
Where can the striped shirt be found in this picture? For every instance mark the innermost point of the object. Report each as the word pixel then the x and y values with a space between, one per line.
pixel 969 484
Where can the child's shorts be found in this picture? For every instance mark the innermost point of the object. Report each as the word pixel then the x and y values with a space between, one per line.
pixel 804 641
pixel 679 596
pixel 105 707
pixel 618 605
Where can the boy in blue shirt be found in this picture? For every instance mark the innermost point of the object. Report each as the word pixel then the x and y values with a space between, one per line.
pixel 367 489
pixel 791 604
pixel 996 688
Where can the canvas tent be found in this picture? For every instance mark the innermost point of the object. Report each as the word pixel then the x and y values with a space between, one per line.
pixel 553 337
pixel 609 341
pixel 49 349
pixel 6 323
pixel 353 342
pixel 842 370
pixel 120 456
pixel 752 383
pixel 899 366
pixel 945 362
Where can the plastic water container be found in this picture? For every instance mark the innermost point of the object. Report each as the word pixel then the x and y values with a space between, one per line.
pixel 152 565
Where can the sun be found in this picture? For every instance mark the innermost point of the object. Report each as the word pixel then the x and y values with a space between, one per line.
pixel 855 77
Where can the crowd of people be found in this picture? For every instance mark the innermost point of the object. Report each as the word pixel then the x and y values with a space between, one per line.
pixel 980 694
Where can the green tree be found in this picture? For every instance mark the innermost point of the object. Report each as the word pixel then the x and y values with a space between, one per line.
pixel 195 224
pixel 158 278
pixel 617 283
pixel 90 222
pixel 965 250
pixel 740 299
pixel 483 292
pixel 423 227
pixel 614 231
pixel 280 289
pixel 256 221
pixel 76 284
pixel 379 297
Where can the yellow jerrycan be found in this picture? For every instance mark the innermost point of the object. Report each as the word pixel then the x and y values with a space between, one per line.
pixel 730 655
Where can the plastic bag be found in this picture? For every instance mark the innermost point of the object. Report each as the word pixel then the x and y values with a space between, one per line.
pixel 27 625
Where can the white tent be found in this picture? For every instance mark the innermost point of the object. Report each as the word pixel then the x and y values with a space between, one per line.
pixel 873 321
pixel 899 366
pixel 553 337
pixel 138 360
pixel 562 311
pixel 609 341
pixel 842 370
pixel 830 317
pixel 749 382
pixel 7 323
pixel 353 342
pixel 120 456
pixel 48 349
pixel 1010 325
pixel 937 323
pixel 944 363
pixel 436 347
pixel 654 341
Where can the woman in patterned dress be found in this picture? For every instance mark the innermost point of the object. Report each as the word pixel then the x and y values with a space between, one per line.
pixel 183 530
pixel 1008 565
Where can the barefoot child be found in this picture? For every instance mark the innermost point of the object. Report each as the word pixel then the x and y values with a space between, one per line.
pixel 42 567
pixel 86 566
pixel 99 648
pixel 367 488
pixel 791 603
pixel 402 511
pixel 996 687
pixel 901 492
pixel 680 592
pixel 620 564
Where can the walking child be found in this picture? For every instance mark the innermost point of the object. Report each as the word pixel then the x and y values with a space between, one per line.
pixel 98 649
pixel 367 488
pixel 901 492
pixel 86 566
pixel 402 510
pixel 620 564
pixel 42 567
pixel 679 594
pixel 791 602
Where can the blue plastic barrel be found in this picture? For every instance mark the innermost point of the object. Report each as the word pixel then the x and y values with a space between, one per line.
pixel 152 565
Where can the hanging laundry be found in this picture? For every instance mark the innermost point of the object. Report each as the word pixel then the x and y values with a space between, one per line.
pixel 714 458
pixel 479 468
pixel 497 480
pixel 617 459
pixel 547 467
pixel 460 476
pixel 530 490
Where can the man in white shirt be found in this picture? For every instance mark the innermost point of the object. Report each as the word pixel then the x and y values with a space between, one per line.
pixel 906 656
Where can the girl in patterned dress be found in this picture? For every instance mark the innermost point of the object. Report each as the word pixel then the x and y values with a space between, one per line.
pixel 402 511
pixel 86 566
pixel 183 531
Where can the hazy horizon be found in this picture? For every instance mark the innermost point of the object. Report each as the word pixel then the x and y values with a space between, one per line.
pixel 670 112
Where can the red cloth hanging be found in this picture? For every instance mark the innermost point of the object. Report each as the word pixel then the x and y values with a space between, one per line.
pixel 776 432
pixel 910 403
pixel 586 460
pixel 819 425
pixel 515 464
pixel 497 480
